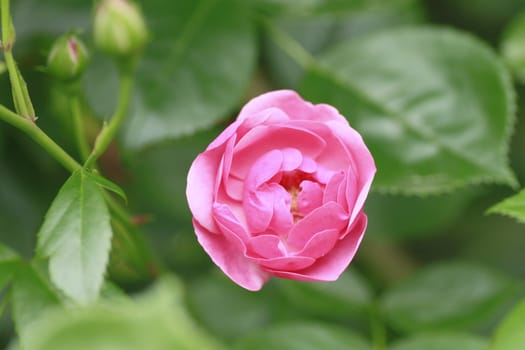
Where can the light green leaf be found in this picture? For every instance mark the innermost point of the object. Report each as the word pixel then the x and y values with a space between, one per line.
pixel 447 296
pixel 155 320
pixel 303 336
pixel 195 70
pixel 435 106
pixel 513 46
pixel 348 297
pixel 442 341
pixel 32 297
pixel 9 261
pixel 513 206
pixel 510 335
pixel 108 185
pixel 76 236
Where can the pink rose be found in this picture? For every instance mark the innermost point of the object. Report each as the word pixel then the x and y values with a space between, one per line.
pixel 281 191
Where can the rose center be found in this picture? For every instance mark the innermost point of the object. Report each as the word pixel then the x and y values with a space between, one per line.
pixel 291 181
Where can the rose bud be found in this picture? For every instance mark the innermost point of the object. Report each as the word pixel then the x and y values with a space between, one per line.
pixel 281 191
pixel 119 28
pixel 68 58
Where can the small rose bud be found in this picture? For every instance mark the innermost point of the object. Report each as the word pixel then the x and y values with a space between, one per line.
pixel 68 58
pixel 119 28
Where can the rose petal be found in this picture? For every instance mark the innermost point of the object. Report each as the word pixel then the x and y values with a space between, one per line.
pixel 292 104
pixel 320 244
pixel 229 223
pixel 286 263
pixel 263 169
pixel 332 265
pixel 265 246
pixel 363 162
pixel 329 216
pixel 310 197
pixel 200 187
pixel 332 187
pixel 263 139
pixel 268 116
pixel 241 270
pixel 292 159
pixel 335 155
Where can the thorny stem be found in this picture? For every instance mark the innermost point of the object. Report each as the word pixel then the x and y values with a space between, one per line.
pixel 108 132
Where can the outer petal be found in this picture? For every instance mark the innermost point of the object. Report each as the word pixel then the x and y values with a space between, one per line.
pixel 363 161
pixel 201 186
pixel 290 103
pixel 332 265
pixel 224 254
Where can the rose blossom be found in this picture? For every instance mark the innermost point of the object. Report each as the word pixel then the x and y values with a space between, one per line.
pixel 281 191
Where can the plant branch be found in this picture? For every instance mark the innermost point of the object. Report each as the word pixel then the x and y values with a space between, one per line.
pixel 78 123
pixel 21 97
pixel 40 137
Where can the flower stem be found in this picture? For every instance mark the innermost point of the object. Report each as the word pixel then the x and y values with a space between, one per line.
pixel 40 137
pixel 109 130
pixel 21 97
pixel 377 329
pixel 78 123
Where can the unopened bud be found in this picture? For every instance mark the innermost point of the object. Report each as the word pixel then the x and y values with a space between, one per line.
pixel 119 28
pixel 68 58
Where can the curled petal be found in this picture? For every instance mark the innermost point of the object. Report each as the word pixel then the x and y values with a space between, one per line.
pixel 329 216
pixel 320 244
pixel 200 187
pixel 266 246
pixel 331 266
pixel 263 139
pixel 232 262
pixel 287 263
pixel 310 197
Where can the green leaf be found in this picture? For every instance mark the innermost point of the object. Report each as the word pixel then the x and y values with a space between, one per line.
pixel 9 261
pixel 321 28
pixel 108 185
pixel 513 46
pixel 155 320
pixel 442 341
pixel 509 335
pixel 513 206
pixel 32 297
pixel 435 106
pixel 348 297
pixel 76 236
pixel 303 336
pixel 194 72
pixel 447 296
pixel 406 217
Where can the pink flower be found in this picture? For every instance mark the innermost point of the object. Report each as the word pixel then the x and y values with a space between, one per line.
pixel 281 191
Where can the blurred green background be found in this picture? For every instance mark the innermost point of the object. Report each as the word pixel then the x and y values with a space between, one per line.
pixel 429 262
